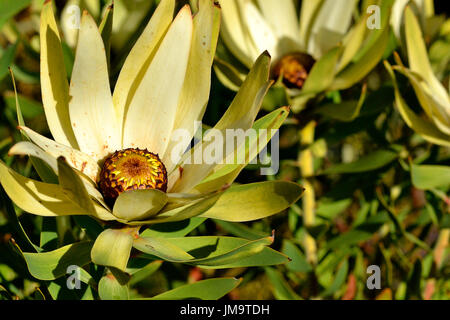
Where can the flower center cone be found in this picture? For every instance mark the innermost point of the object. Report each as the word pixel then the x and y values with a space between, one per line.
pixel 131 169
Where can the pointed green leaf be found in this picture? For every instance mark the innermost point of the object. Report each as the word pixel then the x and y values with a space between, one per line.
pixel 180 213
pixel 298 262
pixel 43 170
pixel 254 201
pixel 240 230
pixel 73 187
pixel 229 76
pixel 319 79
pixel 345 111
pixel 430 176
pixel 162 248
pixel 352 42
pixel 30 108
pixel 339 279
pixel 358 70
pixel 323 71
pixel 281 289
pixel 372 161
pixel 10 214
pixel 223 247
pixel 173 229
pixel 7 59
pixel 53 264
pixel 144 272
pixel 228 258
pixel 41 198
pixel 210 289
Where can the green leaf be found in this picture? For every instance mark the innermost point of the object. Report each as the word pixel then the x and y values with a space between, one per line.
pixel 144 272
pixel 298 261
pixel 210 289
pixel 9 8
pixel 181 213
pixel 281 289
pixel 112 248
pixel 345 111
pixel 352 42
pixel 240 230
pixel 430 176
pixel 322 73
pixel 237 254
pixel 109 288
pixel 139 204
pixel 7 56
pixel 319 79
pixel 30 108
pixel 254 201
pixel 162 248
pixel 43 170
pixel 53 264
pixel 354 72
pixel 90 225
pixel 7 208
pixel 229 76
pixel 338 281
pixel 73 187
pixel 48 234
pixel 173 229
pixel 372 161
pixel 213 248
pixel 170 252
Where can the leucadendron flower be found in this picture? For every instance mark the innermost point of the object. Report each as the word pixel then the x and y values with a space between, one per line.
pixel 113 153
pixel 434 124
pixel 317 51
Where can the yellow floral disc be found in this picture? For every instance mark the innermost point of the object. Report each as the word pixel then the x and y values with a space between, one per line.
pixel 131 169
pixel 294 68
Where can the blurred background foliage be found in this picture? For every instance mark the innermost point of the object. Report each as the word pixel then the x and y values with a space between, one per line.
pixel 381 190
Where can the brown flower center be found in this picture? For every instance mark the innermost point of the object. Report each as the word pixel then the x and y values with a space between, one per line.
pixel 131 169
pixel 294 68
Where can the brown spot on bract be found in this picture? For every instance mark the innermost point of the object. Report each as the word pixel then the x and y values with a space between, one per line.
pixel 180 169
pixel 83 166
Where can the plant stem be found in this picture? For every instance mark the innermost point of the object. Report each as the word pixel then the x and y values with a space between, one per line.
pixel 306 164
